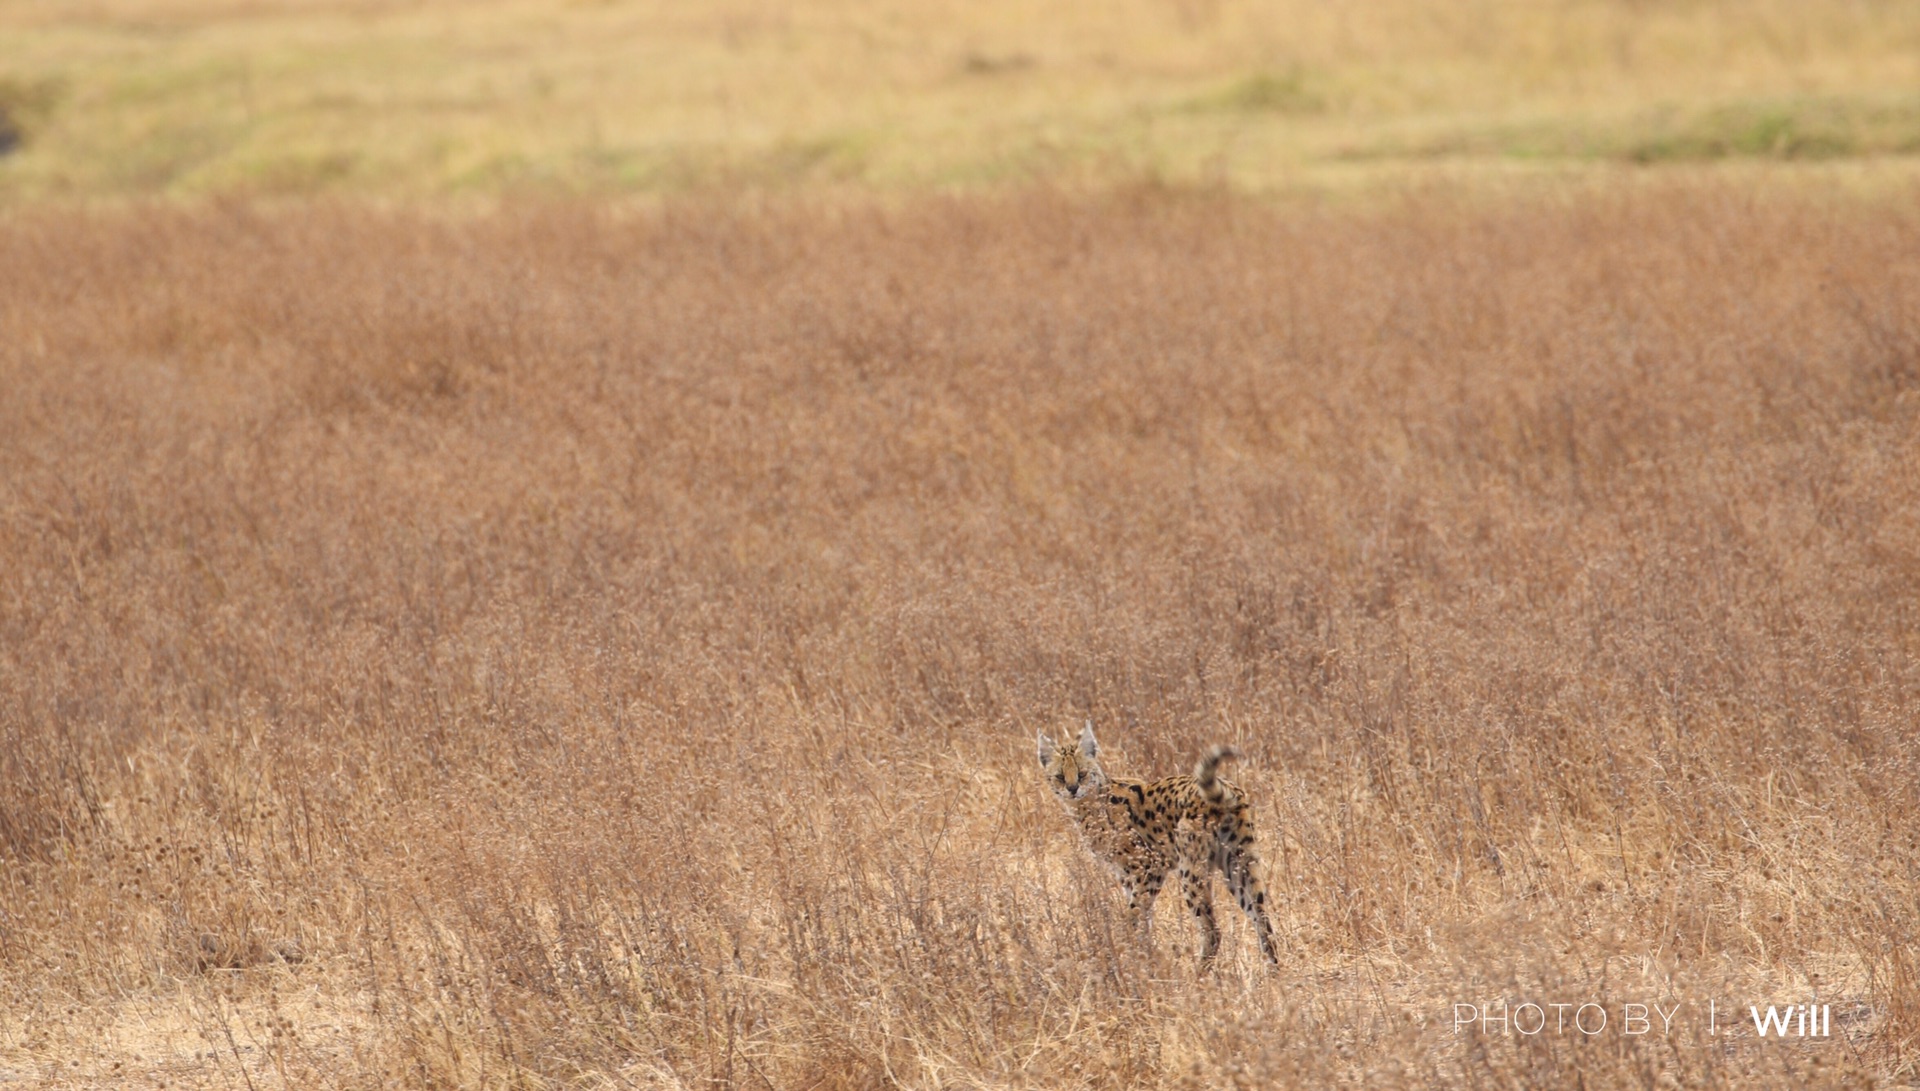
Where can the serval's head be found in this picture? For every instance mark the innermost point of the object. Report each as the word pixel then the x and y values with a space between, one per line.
pixel 1073 772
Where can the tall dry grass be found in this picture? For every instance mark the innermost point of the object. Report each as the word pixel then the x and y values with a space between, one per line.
pixel 569 647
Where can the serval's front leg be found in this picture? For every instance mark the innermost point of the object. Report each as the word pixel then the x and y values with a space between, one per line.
pixel 1143 887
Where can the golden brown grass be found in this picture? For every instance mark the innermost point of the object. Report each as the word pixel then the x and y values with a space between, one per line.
pixel 567 648
pixel 429 97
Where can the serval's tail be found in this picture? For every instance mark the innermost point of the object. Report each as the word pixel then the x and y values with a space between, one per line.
pixel 1203 777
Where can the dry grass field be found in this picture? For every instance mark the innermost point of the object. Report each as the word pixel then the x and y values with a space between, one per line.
pixel 427 98
pixel 461 630
pixel 566 647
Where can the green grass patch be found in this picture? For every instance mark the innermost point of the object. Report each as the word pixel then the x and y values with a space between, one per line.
pixel 1805 129
pixel 1792 129
pixel 1284 91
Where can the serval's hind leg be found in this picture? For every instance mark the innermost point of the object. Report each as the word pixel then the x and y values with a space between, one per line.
pixel 1237 864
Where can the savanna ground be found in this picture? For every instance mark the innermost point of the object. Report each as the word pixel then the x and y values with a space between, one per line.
pixel 426 98
pixel 535 540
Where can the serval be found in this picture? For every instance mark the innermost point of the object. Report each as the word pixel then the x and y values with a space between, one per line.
pixel 1182 826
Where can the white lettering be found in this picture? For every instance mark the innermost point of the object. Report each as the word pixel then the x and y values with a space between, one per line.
pixel 1666 1017
pixel 1538 1027
pixel 1776 1020
pixel 1582 1026
pixel 1486 1018
pixel 1473 1014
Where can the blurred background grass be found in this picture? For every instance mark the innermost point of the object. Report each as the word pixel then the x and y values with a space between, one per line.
pixel 430 98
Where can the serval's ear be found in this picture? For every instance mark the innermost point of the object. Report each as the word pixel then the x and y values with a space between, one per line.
pixel 1089 745
pixel 1046 749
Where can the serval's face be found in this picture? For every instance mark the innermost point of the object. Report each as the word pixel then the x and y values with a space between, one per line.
pixel 1073 772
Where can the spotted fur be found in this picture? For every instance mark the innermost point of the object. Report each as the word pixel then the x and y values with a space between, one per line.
pixel 1181 827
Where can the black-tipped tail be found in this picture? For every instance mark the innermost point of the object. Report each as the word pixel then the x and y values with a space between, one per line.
pixel 1203 777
